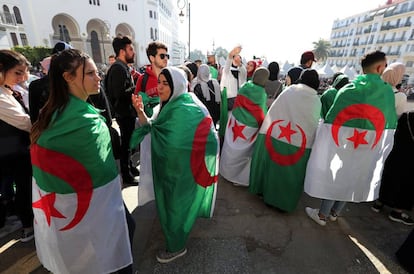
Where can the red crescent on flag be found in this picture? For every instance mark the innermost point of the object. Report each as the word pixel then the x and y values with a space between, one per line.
pixel 284 160
pixel 78 177
pixel 255 110
pixel 359 111
pixel 198 165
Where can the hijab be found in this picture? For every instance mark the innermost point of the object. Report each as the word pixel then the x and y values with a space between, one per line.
pixel 203 76
pixel 394 73
pixel 177 81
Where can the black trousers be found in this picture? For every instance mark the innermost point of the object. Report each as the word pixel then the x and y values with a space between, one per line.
pixel 20 168
pixel 126 127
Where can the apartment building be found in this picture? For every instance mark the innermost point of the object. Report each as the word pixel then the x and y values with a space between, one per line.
pixel 388 28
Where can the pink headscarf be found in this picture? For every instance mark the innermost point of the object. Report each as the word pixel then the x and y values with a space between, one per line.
pixel 394 73
pixel 45 64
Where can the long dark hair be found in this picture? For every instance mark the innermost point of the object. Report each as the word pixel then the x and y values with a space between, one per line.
pixel 65 61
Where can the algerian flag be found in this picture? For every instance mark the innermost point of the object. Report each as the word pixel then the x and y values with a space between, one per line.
pixel 79 223
pixel 283 146
pixel 353 142
pixel 184 152
pixel 244 122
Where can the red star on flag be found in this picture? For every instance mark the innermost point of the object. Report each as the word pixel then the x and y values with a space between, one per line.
pixel 238 131
pixel 46 203
pixel 358 138
pixel 286 132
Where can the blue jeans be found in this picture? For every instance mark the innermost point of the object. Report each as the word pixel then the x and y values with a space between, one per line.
pixel 329 205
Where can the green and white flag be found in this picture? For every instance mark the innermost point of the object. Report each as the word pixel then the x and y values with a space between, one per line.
pixel 353 142
pixel 79 223
pixel 243 125
pixel 184 152
pixel 283 147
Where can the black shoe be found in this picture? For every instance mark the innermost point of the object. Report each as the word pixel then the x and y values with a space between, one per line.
pixel 401 217
pixel 130 180
pixel 377 206
pixel 134 171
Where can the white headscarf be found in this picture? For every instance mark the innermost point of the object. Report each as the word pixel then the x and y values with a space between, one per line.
pixel 179 83
pixel 203 76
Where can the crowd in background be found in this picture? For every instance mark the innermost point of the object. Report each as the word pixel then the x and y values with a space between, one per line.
pixel 276 135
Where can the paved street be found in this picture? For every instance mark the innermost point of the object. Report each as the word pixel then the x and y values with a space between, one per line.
pixel 246 236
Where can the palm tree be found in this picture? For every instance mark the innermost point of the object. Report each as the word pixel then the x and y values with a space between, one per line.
pixel 321 49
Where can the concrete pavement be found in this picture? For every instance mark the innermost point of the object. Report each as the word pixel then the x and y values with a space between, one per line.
pixel 246 236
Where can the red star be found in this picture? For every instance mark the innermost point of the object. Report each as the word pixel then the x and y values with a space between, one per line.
pixel 286 132
pixel 46 203
pixel 358 138
pixel 238 131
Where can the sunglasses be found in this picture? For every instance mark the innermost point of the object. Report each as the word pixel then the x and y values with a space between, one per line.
pixel 163 55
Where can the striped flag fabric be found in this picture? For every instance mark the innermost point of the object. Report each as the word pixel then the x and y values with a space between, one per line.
pixel 79 224
pixel 283 147
pixel 353 142
pixel 243 124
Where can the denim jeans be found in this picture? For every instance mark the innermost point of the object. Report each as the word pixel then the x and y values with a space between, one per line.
pixel 330 205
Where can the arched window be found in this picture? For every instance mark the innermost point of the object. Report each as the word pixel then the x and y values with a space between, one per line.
pixel 96 47
pixel 17 15
pixel 64 34
pixel 7 15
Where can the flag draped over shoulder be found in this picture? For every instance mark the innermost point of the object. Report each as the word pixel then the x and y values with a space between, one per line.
pixel 80 224
pixel 185 148
pixel 353 142
pixel 283 147
pixel 243 124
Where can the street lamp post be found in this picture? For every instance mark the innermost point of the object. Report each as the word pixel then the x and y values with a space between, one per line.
pixel 181 5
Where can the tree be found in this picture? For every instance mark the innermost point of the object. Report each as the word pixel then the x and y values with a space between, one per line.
pixel 33 55
pixel 197 55
pixel 321 49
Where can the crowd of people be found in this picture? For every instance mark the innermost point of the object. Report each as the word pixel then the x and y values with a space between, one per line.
pixel 276 137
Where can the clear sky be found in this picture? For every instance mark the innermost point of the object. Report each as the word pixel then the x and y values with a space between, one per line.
pixel 278 30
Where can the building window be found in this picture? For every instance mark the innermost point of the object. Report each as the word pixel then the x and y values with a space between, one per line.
pixel 64 34
pixel 155 15
pixel 17 15
pixel 23 38
pixel 156 34
pixel 152 34
pixel 14 39
pixel 126 8
pixel 99 2
pixel 150 13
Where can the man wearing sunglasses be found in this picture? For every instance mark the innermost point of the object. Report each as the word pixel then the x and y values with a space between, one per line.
pixel 147 84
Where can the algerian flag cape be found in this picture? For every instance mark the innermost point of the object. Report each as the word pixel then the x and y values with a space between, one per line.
pixel 243 124
pixel 79 218
pixel 146 183
pixel 353 142
pixel 283 147
pixel 184 152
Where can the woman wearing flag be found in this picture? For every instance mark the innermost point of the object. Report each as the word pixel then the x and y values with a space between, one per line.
pixel 284 143
pixel 77 200
pixel 244 122
pixel 184 153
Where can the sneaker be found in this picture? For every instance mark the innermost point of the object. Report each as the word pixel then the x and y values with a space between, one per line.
pixel 377 206
pixel 166 257
pixel 313 213
pixel 401 217
pixel 333 217
pixel 27 235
